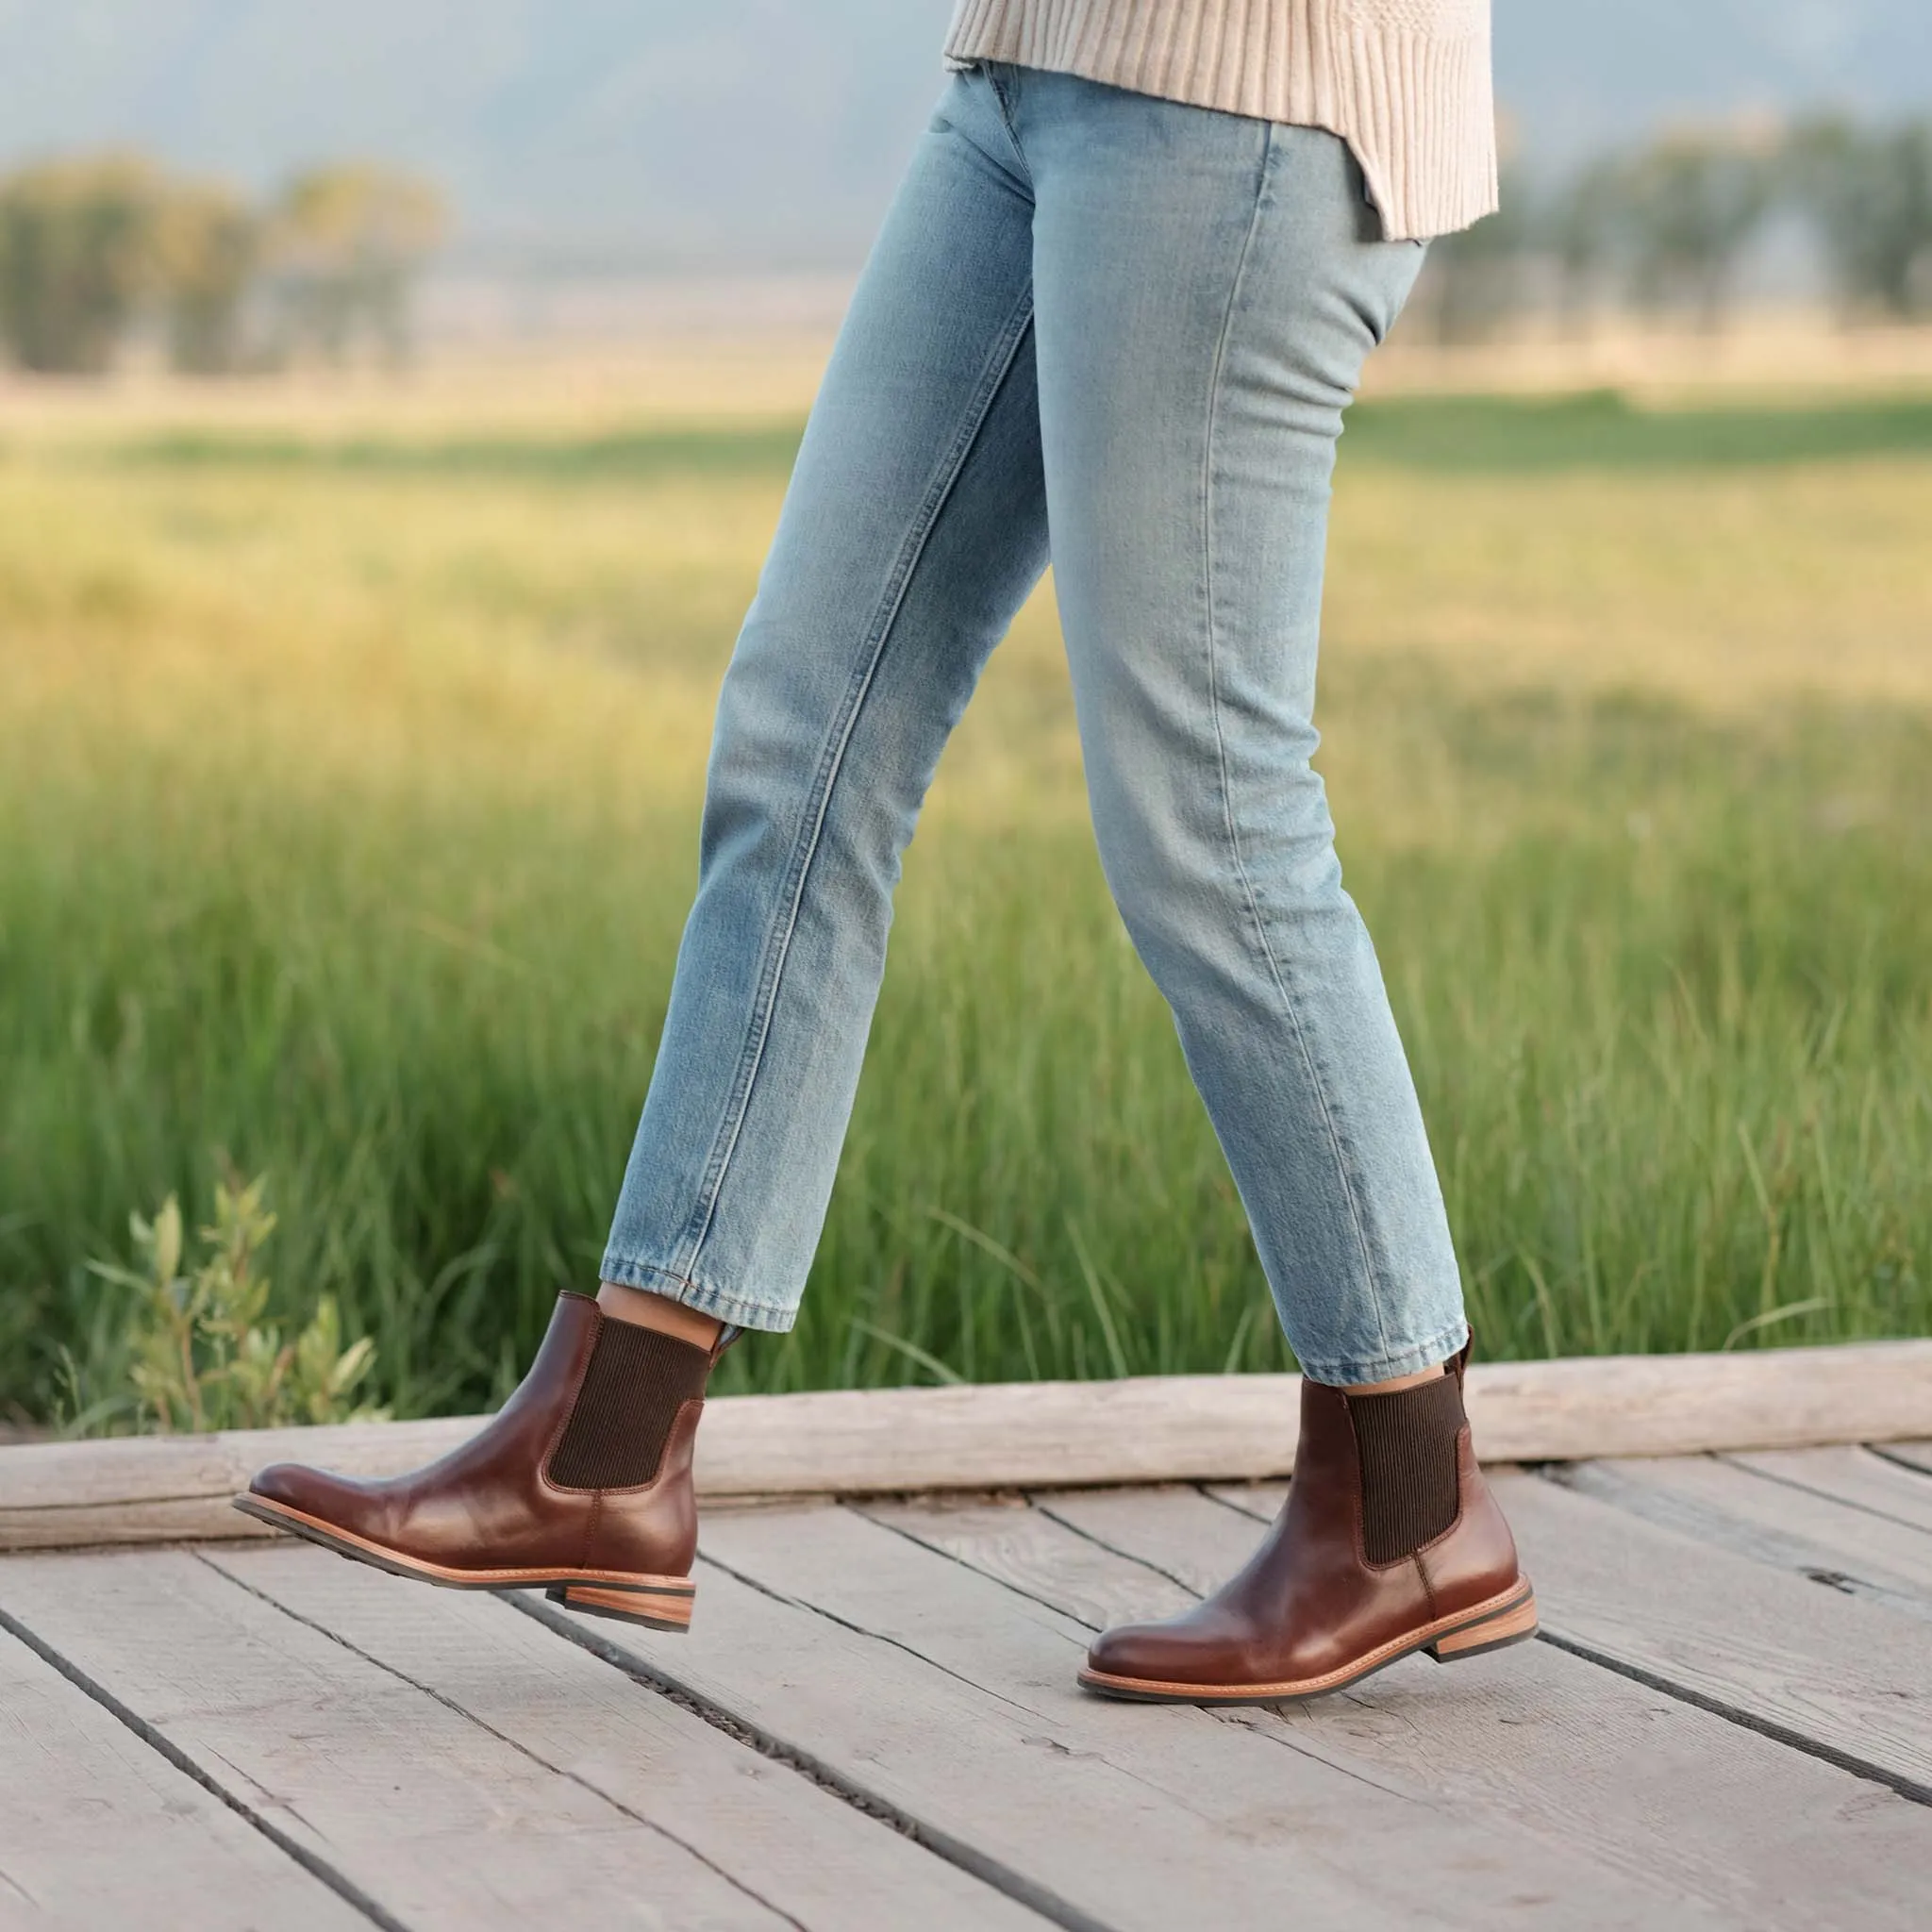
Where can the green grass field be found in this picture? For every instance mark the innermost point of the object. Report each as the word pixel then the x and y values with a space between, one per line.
pixel 348 793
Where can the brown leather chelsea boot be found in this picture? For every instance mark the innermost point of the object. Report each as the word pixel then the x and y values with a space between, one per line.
pixel 580 1484
pixel 1389 1541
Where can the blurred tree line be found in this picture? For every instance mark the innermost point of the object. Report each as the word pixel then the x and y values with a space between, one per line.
pixel 1664 229
pixel 95 247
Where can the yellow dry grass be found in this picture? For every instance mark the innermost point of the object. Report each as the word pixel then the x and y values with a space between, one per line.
pixel 1724 589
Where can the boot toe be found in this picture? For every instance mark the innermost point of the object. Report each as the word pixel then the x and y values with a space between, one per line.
pixel 1148 1653
pixel 313 1491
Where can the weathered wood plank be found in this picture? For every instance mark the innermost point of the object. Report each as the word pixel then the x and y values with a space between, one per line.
pixel 795 1845
pixel 1179 1531
pixel 953 1698
pixel 1011 1541
pixel 168 1489
pixel 1015 1436
pixel 1261 1501
pixel 1642 1783
pixel 1791 1528
pixel 1908 1455
pixel 99 1828
pixel 1852 1474
pixel 1847 1675
pixel 420 1807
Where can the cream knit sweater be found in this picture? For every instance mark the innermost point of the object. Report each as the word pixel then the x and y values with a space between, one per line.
pixel 1405 82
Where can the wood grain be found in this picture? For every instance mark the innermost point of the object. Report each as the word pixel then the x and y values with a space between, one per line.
pixel 1852 1474
pixel 441 1821
pixel 1775 1522
pixel 1021 1435
pixel 1837 1671
pixel 1642 1783
pixel 808 1855
pixel 1908 1455
pixel 953 1697
pixel 1012 1541
pixel 1848 1675
pixel 99 1828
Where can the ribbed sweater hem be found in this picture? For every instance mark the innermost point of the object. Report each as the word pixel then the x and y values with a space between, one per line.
pixel 1414 104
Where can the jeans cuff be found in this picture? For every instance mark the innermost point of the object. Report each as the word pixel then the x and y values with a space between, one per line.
pixel 1385 1368
pixel 734 1309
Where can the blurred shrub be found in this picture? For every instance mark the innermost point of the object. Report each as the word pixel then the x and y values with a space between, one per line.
pixel 209 248
pixel 346 242
pixel 1687 207
pixel 1869 191
pixel 1474 280
pixel 201 1354
pixel 77 258
pixel 1664 229
pixel 95 246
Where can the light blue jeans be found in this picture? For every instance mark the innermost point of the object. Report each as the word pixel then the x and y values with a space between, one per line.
pixel 1121 332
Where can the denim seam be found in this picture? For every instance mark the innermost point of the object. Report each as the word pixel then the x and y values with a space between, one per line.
pixel 772 1318
pixel 1005 111
pixel 1264 182
pixel 1425 1354
pixel 825 781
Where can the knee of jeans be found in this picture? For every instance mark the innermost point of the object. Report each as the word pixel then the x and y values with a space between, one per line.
pixel 1185 874
pixel 783 771
pixel 765 748
pixel 1162 878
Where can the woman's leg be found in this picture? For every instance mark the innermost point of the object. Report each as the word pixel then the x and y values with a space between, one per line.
pixel 914 527
pixel 914 530
pixel 1208 288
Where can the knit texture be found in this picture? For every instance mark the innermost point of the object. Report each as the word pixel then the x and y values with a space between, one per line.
pixel 1406 1443
pixel 1405 82
pixel 637 1382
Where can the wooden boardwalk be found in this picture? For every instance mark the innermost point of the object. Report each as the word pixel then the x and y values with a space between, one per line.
pixel 874 1724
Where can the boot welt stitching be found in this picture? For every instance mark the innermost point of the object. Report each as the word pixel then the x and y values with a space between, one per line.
pixel 296 1521
pixel 1308 1687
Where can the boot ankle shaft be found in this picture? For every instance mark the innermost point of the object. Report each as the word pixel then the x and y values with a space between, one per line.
pixel 1405 1444
pixel 637 1381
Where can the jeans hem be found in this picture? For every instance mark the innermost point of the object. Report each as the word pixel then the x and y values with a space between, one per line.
pixel 1385 1368
pixel 734 1309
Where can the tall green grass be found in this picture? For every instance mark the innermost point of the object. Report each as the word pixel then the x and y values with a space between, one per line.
pixel 347 818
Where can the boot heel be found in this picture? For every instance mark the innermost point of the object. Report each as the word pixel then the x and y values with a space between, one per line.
pixel 656 1609
pixel 1516 1623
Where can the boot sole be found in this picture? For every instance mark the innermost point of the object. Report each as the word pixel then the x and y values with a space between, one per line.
pixel 1492 1625
pixel 656 1609
pixel 658 1603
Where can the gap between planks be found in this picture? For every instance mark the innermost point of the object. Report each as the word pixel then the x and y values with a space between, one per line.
pixel 184 1852
pixel 1024 1434
pixel 537 1782
pixel 1647 1785
pixel 780 1582
pixel 1826 1515
pixel 1715 1612
pixel 846 1637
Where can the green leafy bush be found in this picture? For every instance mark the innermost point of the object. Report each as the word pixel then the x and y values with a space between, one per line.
pixel 203 1355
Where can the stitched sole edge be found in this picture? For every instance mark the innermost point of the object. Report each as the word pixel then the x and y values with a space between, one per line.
pixel 1509 1608
pixel 360 1549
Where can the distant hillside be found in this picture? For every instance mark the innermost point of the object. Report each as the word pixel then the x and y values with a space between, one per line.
pixel 766 132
